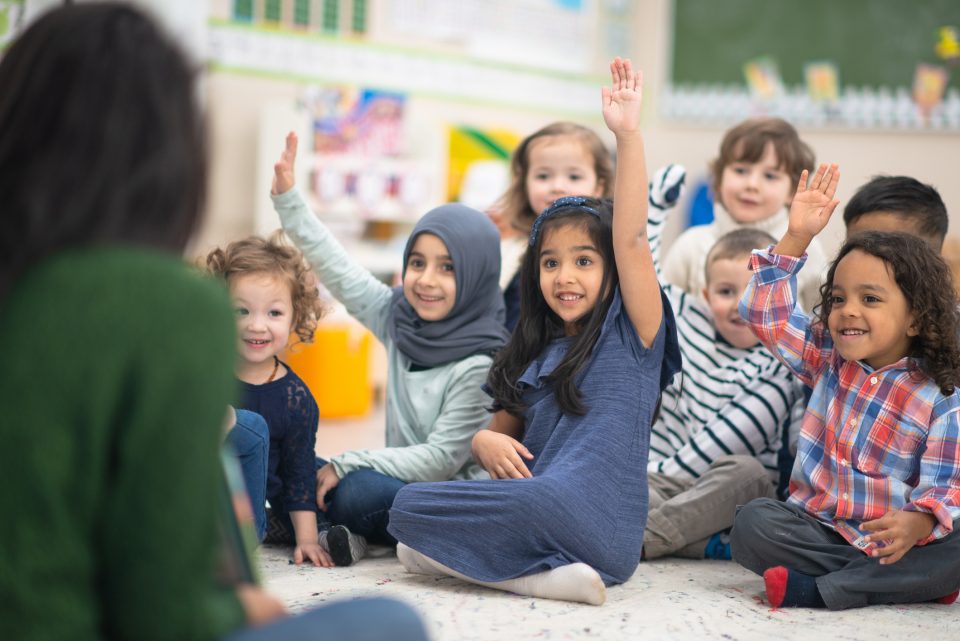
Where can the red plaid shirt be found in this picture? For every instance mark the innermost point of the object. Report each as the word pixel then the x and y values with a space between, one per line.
pixel 872 440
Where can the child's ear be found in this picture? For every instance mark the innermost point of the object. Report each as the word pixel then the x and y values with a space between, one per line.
pixel 706 294
pixel 912 327
pixel 599 189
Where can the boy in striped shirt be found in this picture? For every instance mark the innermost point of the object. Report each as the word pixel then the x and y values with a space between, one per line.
pixel 714 444
pixel 875 491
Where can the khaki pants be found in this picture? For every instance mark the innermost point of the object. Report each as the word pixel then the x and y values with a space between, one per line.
pixel 684 514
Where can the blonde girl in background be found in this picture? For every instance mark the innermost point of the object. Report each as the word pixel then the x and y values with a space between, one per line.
pixel 274 295
pixel 561 159
pixel 753 181
pixel 441 328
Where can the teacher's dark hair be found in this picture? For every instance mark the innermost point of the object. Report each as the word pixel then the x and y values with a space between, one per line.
pixel 102 138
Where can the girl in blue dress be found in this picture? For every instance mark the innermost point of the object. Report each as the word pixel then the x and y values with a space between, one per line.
pixel 564 513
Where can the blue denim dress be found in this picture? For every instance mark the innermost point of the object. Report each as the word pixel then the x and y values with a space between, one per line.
pixel 587 500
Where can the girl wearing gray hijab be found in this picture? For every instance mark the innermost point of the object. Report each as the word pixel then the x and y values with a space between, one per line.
pixel 441 328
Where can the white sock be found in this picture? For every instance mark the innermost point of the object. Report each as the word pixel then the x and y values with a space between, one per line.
pixel 575 582
pixel 416 563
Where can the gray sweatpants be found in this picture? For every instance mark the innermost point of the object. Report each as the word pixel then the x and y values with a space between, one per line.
pixel 768 533
pixel 683 514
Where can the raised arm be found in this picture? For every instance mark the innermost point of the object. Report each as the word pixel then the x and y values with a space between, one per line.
pixel 638 278
pixel 810 210
pixel 364 296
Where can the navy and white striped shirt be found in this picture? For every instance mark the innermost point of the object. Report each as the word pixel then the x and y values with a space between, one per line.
pixel 727 401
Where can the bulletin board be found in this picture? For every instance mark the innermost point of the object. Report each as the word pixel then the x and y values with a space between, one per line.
pixel 874 43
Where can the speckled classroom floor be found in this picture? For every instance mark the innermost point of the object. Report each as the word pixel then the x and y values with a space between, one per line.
pixel 667 600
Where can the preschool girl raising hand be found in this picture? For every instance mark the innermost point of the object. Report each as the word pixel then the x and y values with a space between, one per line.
pixel 638 278
pixel 573 393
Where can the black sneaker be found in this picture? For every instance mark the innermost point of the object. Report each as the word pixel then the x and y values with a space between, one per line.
pixel 345 547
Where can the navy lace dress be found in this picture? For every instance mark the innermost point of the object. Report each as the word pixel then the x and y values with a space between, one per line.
pixel 587 500
pixel 291 414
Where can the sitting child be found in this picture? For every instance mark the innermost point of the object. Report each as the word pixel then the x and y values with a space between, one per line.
pixel 274 294
pixel 574 390
pixel 440 327
pixel 714 444
pixel 760 161
pixel 900 204
pixel 877 476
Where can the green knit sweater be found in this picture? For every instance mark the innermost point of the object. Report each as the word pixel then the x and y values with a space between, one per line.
pixel 116 373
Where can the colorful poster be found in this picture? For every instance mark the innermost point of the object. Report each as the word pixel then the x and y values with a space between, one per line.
pixel 763 78
pixel 364 122
pixel 473 147
pixel 823 81
pixel 929 85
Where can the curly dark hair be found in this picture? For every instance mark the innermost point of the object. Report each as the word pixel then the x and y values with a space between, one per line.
pixel 927 283
pixel 274 256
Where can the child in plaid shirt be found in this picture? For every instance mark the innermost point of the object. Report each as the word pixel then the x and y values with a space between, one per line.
pixel 877 476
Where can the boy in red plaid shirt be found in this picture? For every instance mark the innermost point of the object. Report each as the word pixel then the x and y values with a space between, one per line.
pixel 877 476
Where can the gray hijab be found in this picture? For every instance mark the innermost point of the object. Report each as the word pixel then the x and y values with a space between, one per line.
pixel 475 323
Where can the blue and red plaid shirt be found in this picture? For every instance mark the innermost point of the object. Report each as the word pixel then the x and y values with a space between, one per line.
pixel 872 440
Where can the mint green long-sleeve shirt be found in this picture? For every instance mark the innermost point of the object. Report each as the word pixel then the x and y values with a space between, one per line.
pixel 431 415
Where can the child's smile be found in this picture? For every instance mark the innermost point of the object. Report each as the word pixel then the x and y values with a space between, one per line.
pixel 264 311
pixel 870 319
pixel 429 281
pixel 571 272
pixel 727 279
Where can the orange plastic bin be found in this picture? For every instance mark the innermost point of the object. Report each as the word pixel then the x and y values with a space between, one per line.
pixel 336 368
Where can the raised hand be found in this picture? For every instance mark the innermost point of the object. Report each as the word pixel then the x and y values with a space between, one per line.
pixel 283 179
pixel 813 204
pixel 622 100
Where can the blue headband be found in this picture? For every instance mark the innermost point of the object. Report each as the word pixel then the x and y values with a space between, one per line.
pixel 579 202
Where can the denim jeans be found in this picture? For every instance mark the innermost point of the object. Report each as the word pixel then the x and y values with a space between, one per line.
pixel 250 440
pixel 362 501
pixel 360 620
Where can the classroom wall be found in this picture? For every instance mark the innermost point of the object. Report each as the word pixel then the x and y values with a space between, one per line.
pixel 235 102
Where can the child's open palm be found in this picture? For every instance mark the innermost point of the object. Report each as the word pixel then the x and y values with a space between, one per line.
pixel 283 179
pixel 813 204
pixel 622 100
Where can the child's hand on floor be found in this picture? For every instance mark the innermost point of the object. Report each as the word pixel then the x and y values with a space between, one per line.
pixel 898 531
pixel 283 179
pixel 311 551
pixel 500 455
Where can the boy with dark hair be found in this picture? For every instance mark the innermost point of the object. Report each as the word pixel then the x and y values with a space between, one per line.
pixel 900 204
